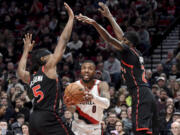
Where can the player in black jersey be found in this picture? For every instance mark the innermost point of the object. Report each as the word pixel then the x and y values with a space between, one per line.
pixel 45 120
pixel 144 111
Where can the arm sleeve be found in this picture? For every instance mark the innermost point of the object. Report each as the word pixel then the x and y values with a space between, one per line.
pixel 101 101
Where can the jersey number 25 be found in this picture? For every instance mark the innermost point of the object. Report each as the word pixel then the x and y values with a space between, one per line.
pixel 38 93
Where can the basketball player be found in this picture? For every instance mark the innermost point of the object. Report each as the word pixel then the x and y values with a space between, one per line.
pixel 89 114
pixel 144 111
pixel 44 120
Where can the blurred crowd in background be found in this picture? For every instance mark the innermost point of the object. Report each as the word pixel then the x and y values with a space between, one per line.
pixel 45 19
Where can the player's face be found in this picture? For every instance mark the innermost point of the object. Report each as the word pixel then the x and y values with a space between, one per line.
pixel 46 58
pixel 87 72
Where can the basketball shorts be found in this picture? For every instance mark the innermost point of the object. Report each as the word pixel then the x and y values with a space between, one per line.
pixel 46 123
pixel 81 128
pixel 144 111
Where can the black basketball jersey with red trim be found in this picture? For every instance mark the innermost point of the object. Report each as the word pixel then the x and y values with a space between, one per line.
pixel 45 91
pixel 132 67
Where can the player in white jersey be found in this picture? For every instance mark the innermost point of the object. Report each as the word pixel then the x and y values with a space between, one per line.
pixel 89 114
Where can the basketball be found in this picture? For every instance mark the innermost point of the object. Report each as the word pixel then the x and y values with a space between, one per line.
pixel 74 92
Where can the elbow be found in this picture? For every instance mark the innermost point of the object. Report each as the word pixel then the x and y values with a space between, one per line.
pixel 107 105
pixel 19 73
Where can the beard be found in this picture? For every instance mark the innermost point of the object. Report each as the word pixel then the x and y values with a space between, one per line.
pixel 86 81
pixel 163 99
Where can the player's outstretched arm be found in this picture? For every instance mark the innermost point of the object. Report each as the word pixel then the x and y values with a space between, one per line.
pixel 63 39
pixel 106 13
pixel 103 33
pixel 28 46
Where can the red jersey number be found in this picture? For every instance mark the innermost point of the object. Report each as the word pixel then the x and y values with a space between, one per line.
pixel 38 93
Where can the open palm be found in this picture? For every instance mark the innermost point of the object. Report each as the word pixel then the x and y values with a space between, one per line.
pixel 28 43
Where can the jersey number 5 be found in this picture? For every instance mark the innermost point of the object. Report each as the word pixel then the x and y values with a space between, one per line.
pixel 37 92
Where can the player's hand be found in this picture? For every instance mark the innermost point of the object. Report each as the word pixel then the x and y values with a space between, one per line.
pixel 68 101
pixel 87 97
pixel 28 43
pixel 71 108
pixel 104 10
pixel 85 19
pixel 69 10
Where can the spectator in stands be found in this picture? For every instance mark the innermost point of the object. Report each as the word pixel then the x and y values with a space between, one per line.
pixel 68 119
pixel 176 116
pixel 169 101
pixel 75 44
pixel 9 72
pixel 65 81
pixel 25 128
pixel 171 85
pixel 162 100
pixel 144 39
pixel 166 119
pixel 2 111
pixel 4 128
pixel 149 77
pixel 67 72
pixel 113 66
pixel 158 71
pixel 168 62
pixel 16 126
pixel 174 73
pixel 36 7
pixel 119 128
pixel 123 115
pixel 113 100
pixel 105 74
pixel 171 9
pixel 161 81
pixel 121 101
pixel 156 91
pixel 20 108
pixel 128 122
pixel 176 87
pixel 88 46
pixel 111 122
pixel 177 100
pixel 175 128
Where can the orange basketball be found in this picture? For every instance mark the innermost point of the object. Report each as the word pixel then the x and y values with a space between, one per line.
pixel 74 92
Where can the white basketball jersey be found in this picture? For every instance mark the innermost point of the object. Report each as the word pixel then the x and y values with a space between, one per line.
pixel 90 112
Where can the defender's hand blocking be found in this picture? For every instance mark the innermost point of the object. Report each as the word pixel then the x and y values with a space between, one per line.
pixel 28 43
pixel 69 10
pixel 104 9
pixel 85 19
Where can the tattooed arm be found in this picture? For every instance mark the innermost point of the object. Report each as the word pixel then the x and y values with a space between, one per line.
pixel 104 99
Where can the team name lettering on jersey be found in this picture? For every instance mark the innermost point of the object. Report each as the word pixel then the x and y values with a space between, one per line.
pixel 88 103
pixel 36 79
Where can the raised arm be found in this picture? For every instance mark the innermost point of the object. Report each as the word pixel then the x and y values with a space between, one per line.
pixel 105 12
pixel 21 71
pixel 63 39
pixel 103 33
